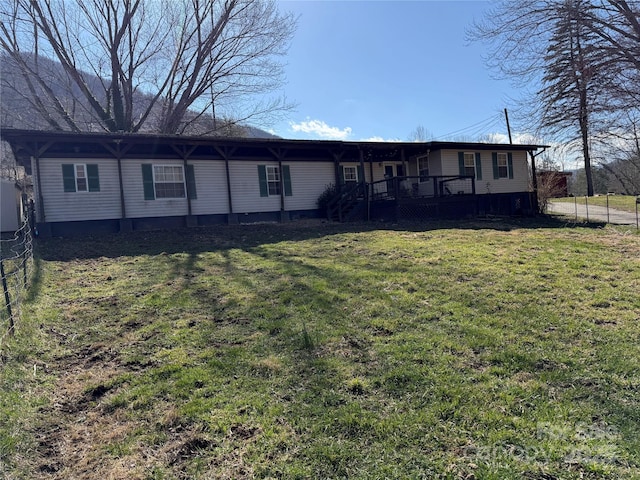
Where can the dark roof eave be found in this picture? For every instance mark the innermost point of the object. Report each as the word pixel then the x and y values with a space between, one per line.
pixel 29 137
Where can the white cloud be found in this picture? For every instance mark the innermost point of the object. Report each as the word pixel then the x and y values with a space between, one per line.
pixel 321 129
pixel 380 139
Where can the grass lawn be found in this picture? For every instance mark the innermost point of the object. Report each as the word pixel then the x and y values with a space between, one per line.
pixel 502 350
pixel 626 203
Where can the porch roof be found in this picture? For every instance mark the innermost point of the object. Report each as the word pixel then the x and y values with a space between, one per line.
pixel 28 143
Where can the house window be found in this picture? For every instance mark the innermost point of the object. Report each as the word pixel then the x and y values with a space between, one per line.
pixel 350 174
pixel 168 181
pixel 269 177
pixel 502 165
pixel 80 177
pixel 470 164
pixel 423 168
pixel 503 168
pixel 273 180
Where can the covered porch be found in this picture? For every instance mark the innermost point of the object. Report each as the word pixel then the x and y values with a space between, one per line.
pixel 396 197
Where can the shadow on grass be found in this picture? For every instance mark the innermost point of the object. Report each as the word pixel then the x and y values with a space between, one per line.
pixel 36 278
pixel 246 237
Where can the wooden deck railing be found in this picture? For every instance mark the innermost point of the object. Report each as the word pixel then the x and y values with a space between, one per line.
pixel 397 188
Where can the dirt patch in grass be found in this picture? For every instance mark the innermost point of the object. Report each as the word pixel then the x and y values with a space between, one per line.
pixel 75 426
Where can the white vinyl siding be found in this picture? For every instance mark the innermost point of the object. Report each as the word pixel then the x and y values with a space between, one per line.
pixel 519 182
pixel 245 188
pixel 308 181
pixel 211 186
pixel 61 206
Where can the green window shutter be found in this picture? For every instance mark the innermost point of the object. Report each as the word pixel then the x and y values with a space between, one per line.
pixel 478 166
pixel 191 182
pixel 262 178
pixel 341 175
pixel 147 181
pixel 510 163
pixel 361 178
pixel 93 178
pixel 286 176
pixel 461 163
pixel 494 159
pixel 68 177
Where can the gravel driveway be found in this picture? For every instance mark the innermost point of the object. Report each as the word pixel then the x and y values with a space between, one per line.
pixel 592 212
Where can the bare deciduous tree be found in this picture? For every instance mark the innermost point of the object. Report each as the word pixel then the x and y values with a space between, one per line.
pixel 571 80
pixel 581 56
pixel 147 65
pixel 420 134
pixel 617 24
pixel 624 168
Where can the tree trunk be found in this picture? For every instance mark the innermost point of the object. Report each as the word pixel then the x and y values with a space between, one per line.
pixel 584 131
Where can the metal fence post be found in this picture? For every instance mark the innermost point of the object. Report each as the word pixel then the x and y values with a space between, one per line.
pixel 586 206
pixel 25 277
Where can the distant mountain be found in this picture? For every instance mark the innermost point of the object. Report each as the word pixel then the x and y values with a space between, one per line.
pixel 17 110
pixel 254 132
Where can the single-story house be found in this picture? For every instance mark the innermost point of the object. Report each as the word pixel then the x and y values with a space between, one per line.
pixel 123 181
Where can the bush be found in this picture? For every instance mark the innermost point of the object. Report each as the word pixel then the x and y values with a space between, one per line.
pixel 550 185
pixel 325 197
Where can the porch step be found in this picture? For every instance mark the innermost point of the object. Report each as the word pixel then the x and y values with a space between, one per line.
pixel 349 212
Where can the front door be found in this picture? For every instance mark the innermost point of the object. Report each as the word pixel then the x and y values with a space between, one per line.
pixel 389 173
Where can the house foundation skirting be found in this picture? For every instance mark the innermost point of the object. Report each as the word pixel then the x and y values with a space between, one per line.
pixel 98 227
pixel 509 204
pixel 453 206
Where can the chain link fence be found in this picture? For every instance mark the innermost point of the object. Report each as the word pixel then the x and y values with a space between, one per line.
pixel 16 270
pixel 585 208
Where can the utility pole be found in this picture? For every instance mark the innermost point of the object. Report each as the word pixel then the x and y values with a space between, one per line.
pixel 506 116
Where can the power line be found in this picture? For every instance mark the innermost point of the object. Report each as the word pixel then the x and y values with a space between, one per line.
pixel 483 126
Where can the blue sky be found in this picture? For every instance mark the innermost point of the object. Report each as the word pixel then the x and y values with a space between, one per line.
pixel 361 70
